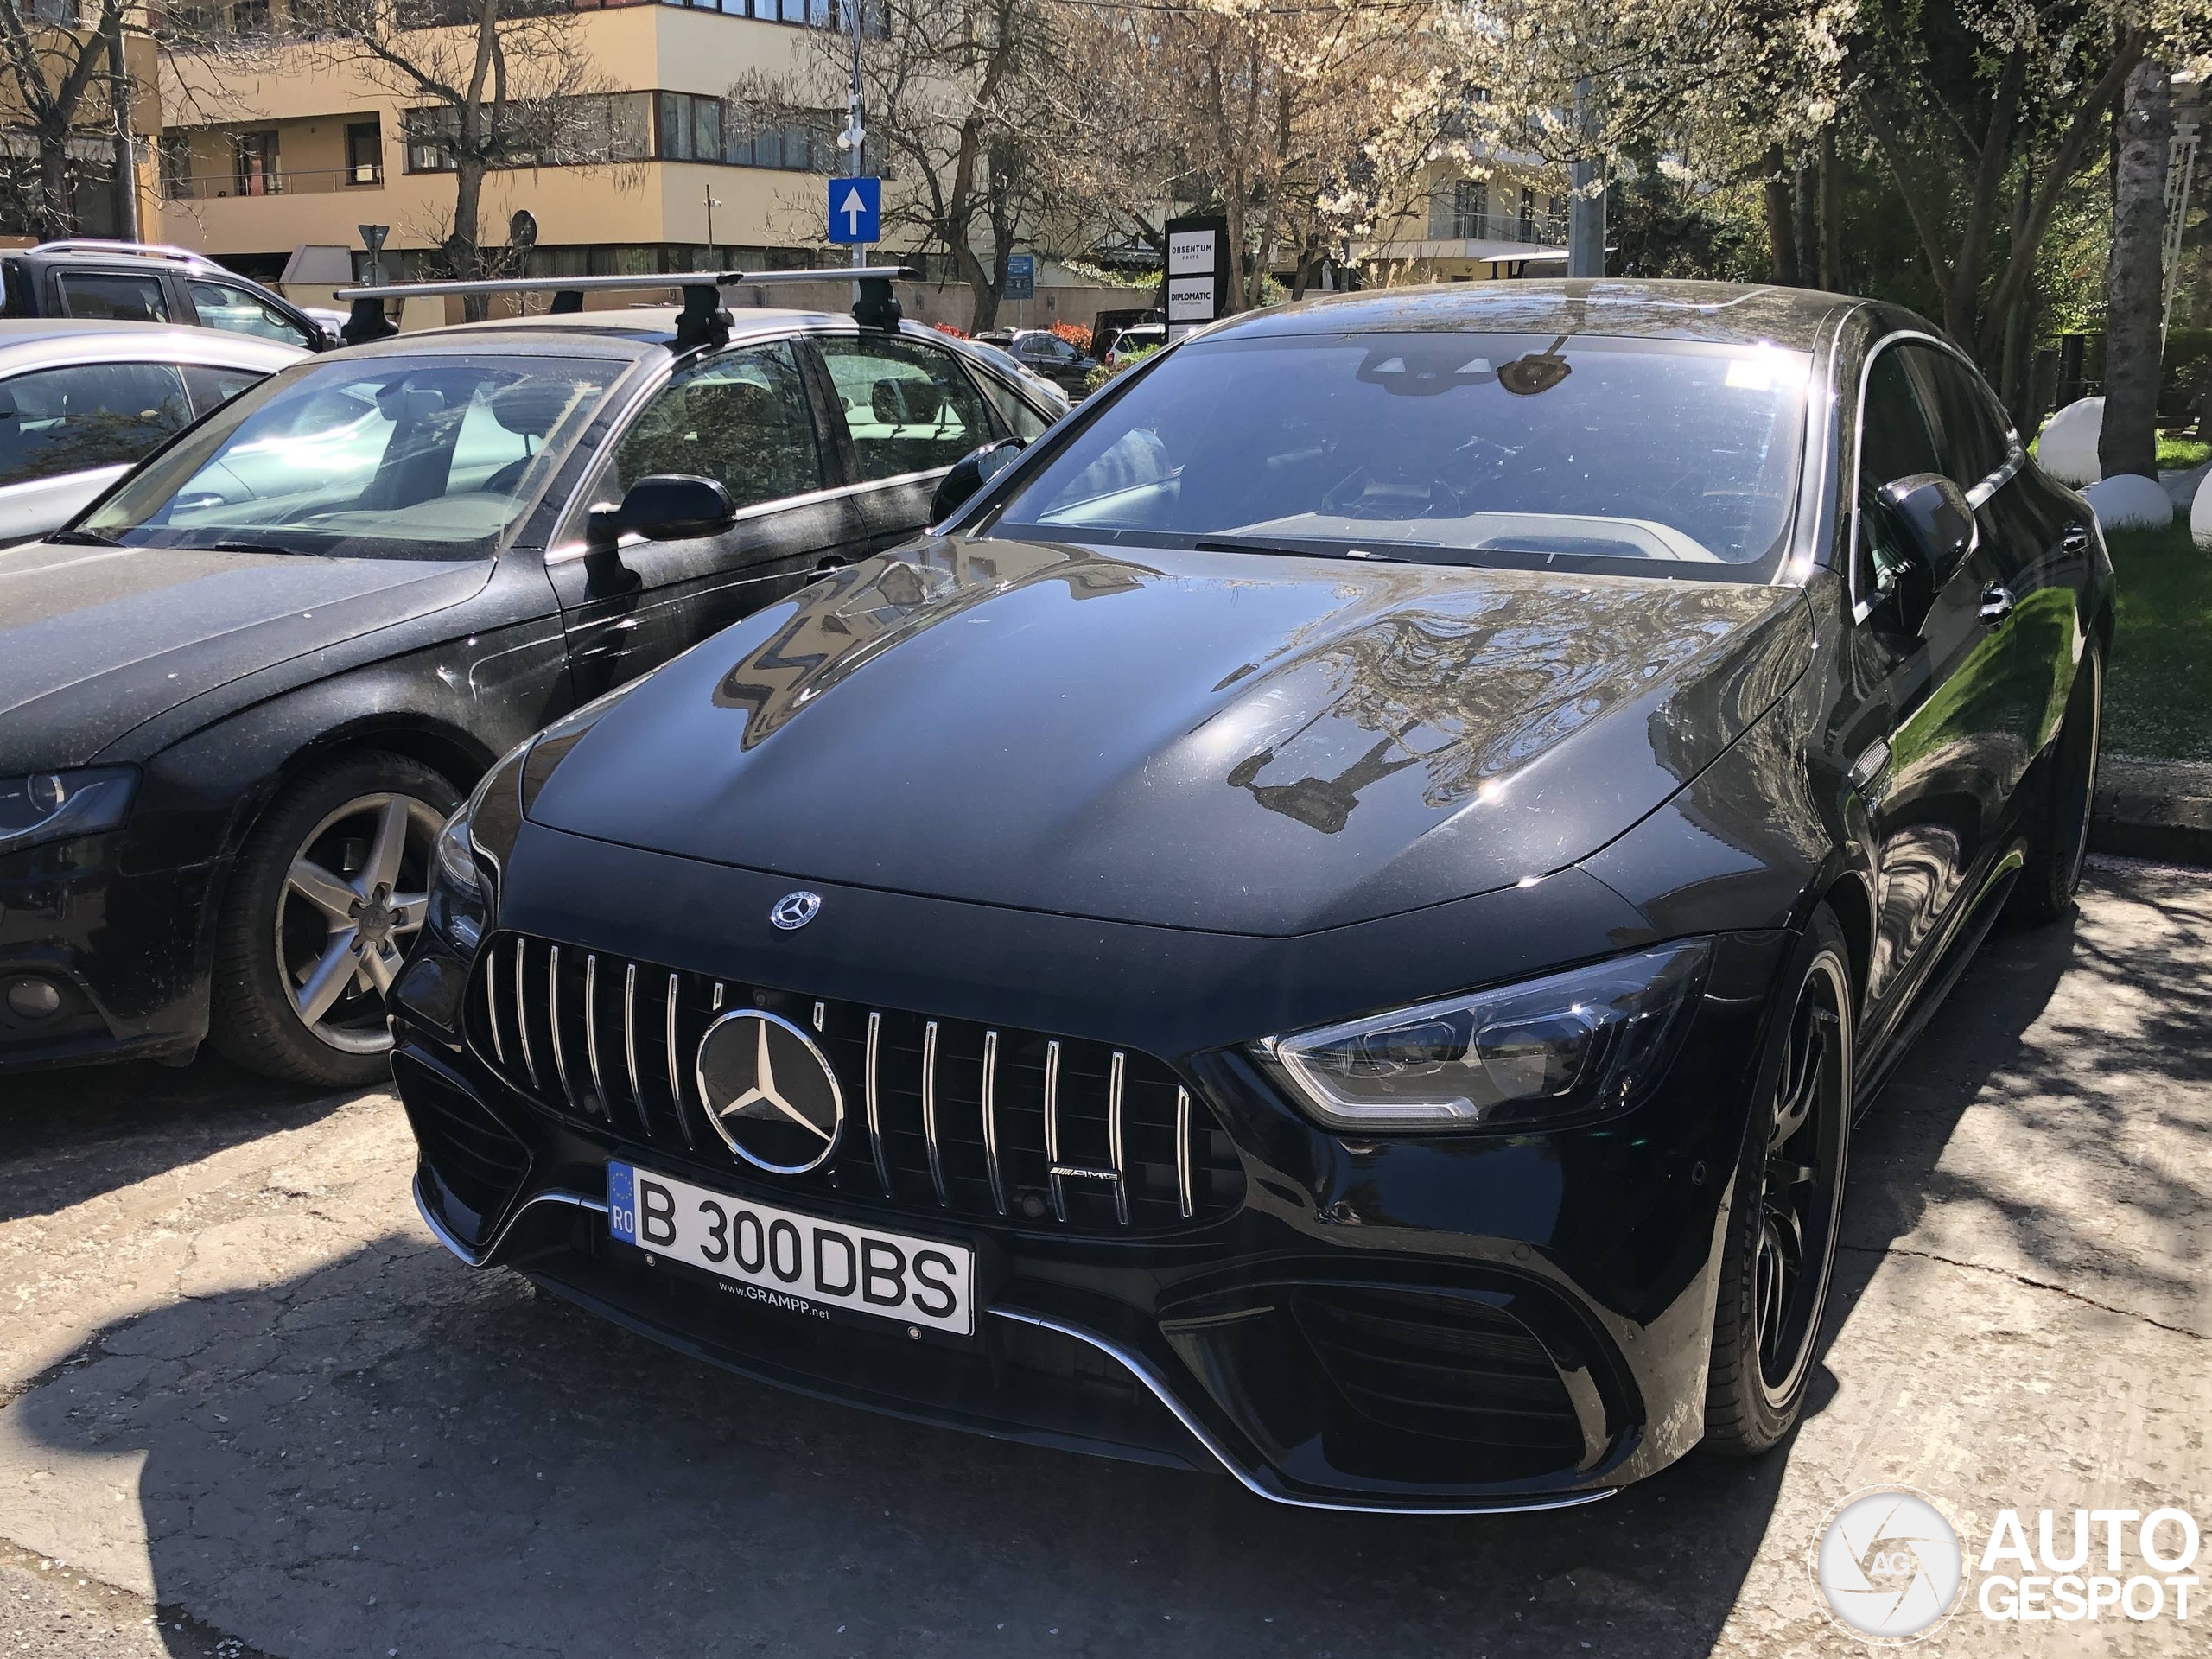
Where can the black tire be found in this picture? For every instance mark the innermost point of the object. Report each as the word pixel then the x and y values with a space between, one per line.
pixel 331 823
pixel 2059 844
pixel 1767 1318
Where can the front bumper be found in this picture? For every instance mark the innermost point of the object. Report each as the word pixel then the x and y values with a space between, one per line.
pixel 123 947
pixel 1452 1324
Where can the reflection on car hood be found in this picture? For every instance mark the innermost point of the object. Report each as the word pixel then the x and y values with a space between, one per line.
pixel 95 641
pixel 1238 742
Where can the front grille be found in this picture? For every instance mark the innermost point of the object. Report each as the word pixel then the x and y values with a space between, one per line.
pixel 1440 1365
pixel 942 1116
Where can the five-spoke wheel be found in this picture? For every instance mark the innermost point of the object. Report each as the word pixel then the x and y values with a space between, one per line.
pixel 328 891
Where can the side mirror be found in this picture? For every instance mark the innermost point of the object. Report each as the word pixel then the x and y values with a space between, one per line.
pixel 969 476
pixel 663 507
pixel 1933 513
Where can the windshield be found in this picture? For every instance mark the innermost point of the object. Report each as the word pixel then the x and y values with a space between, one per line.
pixel 411 458
pixel 1502 449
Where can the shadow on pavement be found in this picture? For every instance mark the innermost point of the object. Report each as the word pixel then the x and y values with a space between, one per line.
pixel 391 1453
pixel 72 1135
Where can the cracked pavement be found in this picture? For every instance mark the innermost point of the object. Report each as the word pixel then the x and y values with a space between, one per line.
pixel 247 1406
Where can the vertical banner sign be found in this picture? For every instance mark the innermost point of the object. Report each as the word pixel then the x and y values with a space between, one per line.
pixel 1198 272
pixel 1020 277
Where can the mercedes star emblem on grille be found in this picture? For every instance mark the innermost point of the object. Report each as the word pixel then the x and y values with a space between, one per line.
pixel 769 1092
pixel 794 909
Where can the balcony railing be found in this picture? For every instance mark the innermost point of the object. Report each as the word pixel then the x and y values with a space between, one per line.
pixel 210 187
pixel 1541 230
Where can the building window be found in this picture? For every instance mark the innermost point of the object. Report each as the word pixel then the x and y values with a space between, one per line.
pixel 254 154
pixel 1457 213
pixel 429 135
pixel 363 152
pixel 175 151
pixel 696 127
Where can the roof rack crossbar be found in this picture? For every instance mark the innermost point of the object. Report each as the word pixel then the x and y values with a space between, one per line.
pixel 645 281
pixel 703 321
pixel 106 245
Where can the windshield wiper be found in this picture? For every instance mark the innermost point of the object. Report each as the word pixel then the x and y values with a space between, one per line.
pixel 239 547
pixel 82 538
pixel 1408 552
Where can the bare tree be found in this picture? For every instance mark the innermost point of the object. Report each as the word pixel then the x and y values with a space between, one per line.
pixel 2135 286
pixel 499 84
pixel 1303 125
pixel 957 100
pixel 56 61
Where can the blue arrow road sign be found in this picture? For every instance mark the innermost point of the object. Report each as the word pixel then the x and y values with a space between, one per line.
pixel 856 210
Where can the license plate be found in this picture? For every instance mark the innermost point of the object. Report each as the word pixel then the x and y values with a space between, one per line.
pixel 785 1257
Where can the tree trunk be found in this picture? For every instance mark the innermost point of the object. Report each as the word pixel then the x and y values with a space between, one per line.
pixel 1831 271
pixel 1781 227
pixel 463 261
pixel 2134 285
pixel 1805 229
pixel 54 183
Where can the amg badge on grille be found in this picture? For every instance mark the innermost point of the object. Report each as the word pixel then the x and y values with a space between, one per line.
pixel 794 909
pixel 769 1092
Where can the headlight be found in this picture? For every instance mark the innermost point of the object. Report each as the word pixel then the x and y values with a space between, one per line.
pixel 1571 1045
pixel 53 805
pixel 470 852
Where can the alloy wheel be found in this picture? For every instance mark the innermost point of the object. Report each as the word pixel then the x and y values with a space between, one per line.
pixel 1801 1196
pixel 353 896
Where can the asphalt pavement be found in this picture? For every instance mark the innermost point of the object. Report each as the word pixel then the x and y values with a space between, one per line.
pixel 248 1407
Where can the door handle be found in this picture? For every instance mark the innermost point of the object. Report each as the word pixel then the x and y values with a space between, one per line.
pixel 1996 604
pixel 2074 539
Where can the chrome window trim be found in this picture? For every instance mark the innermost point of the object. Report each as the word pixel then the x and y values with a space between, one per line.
pixel 2016 454
pixel 569 552
pixel 1143 1371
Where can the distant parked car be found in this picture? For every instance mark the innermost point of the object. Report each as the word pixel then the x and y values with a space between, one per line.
pixel 80 402
pixel 1041 352
pixel 143 282
pixel 1106 327
pixel 1133 341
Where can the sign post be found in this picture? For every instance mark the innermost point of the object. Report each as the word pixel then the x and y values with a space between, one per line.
pixel 372 238
pixel 856 210
pixel 1198 272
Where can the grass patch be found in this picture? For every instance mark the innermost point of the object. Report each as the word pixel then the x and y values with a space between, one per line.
pixel 2179 455
pixel 2158 703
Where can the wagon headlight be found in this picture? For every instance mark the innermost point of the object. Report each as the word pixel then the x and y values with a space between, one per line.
pixel 1570 1045
pixel 54 805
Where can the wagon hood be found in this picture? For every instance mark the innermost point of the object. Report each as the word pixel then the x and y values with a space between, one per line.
pixel 1233 742
pixel 95 641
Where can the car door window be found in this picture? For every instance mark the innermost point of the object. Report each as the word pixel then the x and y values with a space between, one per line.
pixel 66 420
pixel 114 297
pixel 1894 442
pixel 211 388
pixel 741 418
pixel 222 306
pixel 909 407
pixel 1022 420
pixel 1968 438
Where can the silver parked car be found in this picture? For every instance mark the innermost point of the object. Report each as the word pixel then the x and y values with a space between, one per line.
pixel 82 401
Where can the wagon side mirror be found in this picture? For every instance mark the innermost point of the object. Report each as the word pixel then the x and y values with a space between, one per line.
pixel 969 476
pixel 663 507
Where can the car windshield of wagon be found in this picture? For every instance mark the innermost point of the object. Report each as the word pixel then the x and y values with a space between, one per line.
pixel 1441 447
pixel 384 457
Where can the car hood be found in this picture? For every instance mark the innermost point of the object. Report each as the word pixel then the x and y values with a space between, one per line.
pixel 95 641
pixel 1232 741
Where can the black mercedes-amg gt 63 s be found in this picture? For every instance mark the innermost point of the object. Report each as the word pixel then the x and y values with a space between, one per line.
pixel 1333 919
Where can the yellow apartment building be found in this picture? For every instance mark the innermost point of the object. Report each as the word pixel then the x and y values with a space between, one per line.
pixel 272 172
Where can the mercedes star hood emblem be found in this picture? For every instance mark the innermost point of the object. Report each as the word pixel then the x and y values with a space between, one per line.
pixel 794 909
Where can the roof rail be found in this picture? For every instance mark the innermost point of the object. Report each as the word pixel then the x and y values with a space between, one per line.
pixel 703 321
pixel 103 245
